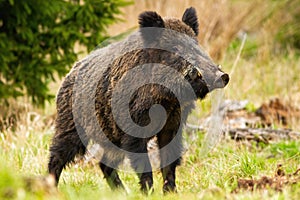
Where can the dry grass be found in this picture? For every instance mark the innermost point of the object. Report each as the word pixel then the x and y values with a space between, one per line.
pixel 220 20
pixel 278 28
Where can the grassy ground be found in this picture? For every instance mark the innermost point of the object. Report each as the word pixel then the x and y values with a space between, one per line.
pixel 256 76
pixel 25 154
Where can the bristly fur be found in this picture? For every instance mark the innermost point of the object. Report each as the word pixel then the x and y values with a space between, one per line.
pixel 190 18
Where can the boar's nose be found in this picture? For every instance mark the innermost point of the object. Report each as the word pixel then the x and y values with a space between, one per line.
pixel 225 79
pixel 221 81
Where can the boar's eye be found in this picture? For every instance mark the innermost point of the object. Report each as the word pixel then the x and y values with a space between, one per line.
pixel 193 73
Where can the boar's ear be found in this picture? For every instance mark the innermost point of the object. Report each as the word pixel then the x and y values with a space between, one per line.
pixel 190 18
pixel 150 19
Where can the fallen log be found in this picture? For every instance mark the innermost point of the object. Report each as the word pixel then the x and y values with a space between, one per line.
pixel 255 134
pixel 262 134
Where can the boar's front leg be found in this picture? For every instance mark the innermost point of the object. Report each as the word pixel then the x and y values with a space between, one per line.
pixel 139 160
pixel 111 174
pixel 169 158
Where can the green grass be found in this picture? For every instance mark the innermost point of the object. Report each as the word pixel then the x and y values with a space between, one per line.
pixel 25 154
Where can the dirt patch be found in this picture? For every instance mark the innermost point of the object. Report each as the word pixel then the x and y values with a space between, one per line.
pixel 277 112
pixel 277 182
pixel 242 122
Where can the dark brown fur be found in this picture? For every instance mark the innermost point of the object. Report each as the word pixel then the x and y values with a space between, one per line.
pixel 67 143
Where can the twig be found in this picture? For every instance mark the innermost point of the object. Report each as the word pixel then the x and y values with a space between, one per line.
pixel 195 127
pixel 239 53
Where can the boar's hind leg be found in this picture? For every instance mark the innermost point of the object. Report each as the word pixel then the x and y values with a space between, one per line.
pixel 65 146
pixel 111 174
pixel 139 161
pixel 169 159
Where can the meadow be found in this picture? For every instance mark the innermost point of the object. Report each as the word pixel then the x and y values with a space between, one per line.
pixel 240 35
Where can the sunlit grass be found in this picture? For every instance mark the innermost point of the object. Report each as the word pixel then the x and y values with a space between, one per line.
pixel 198 177
pixel 257 77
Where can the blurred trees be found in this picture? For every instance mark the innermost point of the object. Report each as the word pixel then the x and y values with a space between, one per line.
pixel 289 32
pixel 37 41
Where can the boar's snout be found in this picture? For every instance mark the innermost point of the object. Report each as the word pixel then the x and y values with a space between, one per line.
pixel 221 80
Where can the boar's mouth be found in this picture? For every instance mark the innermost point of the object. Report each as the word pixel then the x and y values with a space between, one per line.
pixel 202 85
pixel 220 82
pixel 210 82
pixel 201 94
